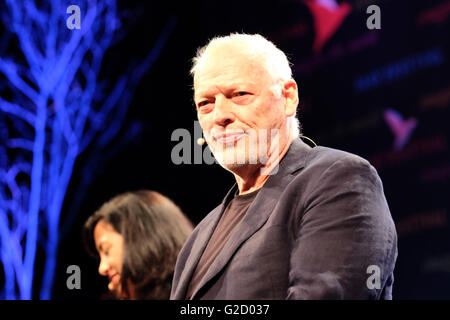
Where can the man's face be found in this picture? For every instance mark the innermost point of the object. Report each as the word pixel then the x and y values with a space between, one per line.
pixel 238 104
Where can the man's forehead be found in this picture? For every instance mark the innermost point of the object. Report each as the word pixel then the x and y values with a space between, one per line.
pixel 217 65
pixel 228 73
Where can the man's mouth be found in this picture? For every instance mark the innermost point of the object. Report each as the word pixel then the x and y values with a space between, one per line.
pixel 227 138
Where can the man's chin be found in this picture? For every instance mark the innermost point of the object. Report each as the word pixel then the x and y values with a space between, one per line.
pixel 233 167
pixel 234 164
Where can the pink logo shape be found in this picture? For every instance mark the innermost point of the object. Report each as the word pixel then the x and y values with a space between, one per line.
pixel 328 17
pixel 401 129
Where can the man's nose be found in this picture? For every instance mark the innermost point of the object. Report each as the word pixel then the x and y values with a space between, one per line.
pixel 103 267
pixel 223 111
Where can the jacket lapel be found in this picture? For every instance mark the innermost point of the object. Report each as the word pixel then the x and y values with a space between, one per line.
pixel 258 212
pixel 199 245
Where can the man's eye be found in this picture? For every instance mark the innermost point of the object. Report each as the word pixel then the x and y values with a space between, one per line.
pixel 240 93
pixel 202 103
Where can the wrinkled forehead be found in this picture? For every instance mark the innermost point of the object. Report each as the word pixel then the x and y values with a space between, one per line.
pixel 224 65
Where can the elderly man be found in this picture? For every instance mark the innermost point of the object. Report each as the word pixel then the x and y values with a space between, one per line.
pixel 300 222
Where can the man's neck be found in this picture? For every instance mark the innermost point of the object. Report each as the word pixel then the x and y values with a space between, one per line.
pixel 254 179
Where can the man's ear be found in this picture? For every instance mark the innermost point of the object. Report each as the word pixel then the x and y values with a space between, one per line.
pixel 290 93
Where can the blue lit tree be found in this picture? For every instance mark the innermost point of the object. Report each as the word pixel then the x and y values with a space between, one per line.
pixel 53 107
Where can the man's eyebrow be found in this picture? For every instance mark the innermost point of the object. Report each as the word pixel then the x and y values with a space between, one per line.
pixel 199 97
pixel 233 86
pixel 202 93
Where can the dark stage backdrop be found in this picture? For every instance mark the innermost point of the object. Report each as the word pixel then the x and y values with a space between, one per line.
pixel 383 94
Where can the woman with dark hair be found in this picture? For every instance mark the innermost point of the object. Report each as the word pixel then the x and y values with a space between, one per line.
pixel 137 237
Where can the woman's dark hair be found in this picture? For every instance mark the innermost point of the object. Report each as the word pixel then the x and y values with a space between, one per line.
pixel 153 229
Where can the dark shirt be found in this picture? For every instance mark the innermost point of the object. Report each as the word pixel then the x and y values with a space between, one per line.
pixel 231 217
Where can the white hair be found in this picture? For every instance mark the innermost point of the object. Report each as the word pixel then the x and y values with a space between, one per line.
pixel 274 60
